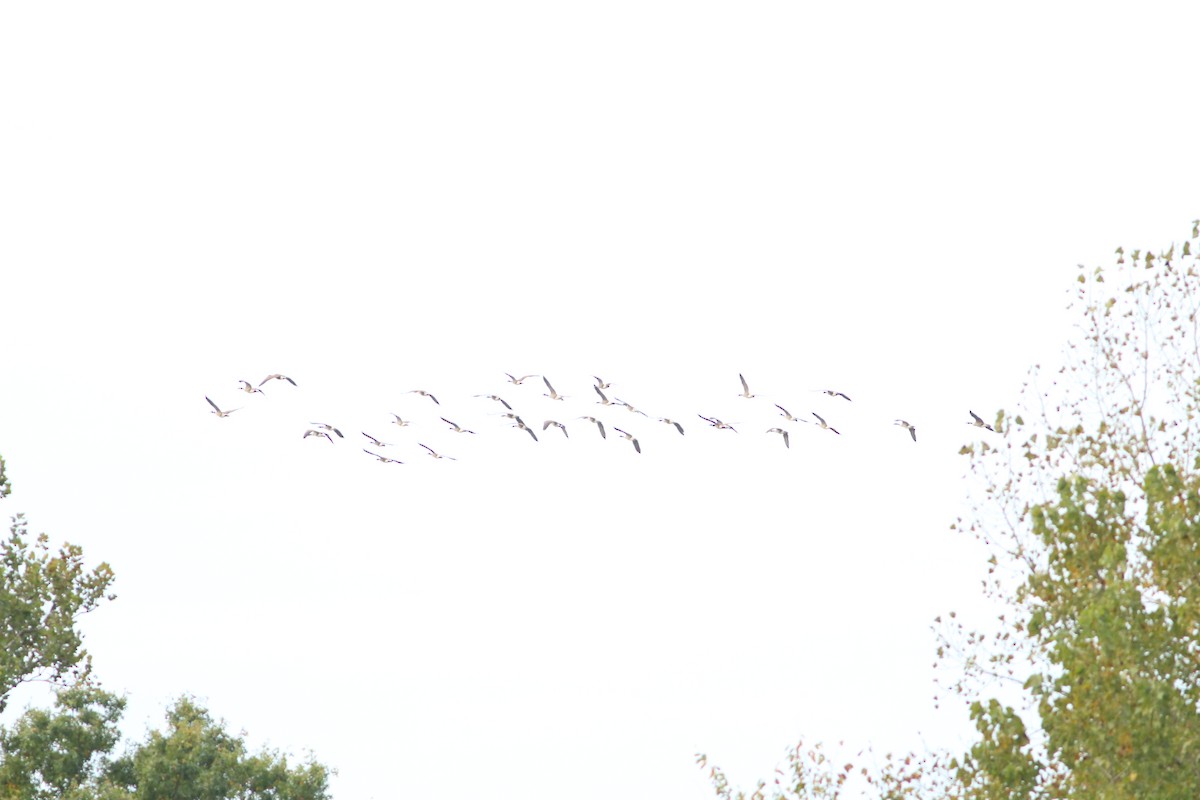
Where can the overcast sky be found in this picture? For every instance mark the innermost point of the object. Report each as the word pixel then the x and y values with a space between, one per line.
pixel 888 200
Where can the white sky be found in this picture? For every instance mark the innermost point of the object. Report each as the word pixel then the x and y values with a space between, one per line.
pixel 885 199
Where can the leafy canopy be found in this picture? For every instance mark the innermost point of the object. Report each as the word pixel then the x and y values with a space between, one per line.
pixel 1091 513
pixel 42 595
pixel 69 752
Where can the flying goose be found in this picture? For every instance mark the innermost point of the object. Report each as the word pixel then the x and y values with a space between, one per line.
pixel 374 441
pixel 908 427
pixel 436 454
pixel 518 381
pixel 553 394
pixel 598 424
pixel 600 384
pixel 630 408
pixel 786 443
pixel 384 459
pixel 218 411
pixel 604 401
pixel 821 421
pixel 278 377
pixel 678 427
pixel 745 388
pixel 629 436
pixel 787 414
pixel 832 393
pixel 498 399
pixel 454 426
pixel 403 423
pixel 423 393
pixel 317 433
pixel 521 424
pixel 249 388
pixel 558 425
pixel 716 423
pixel 979 423
pixel 325 427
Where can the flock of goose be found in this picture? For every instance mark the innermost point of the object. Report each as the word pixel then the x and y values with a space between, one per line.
pixel 324 430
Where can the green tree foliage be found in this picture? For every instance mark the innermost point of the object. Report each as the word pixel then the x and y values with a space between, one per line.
pixel 42 595
pixel 69 752
pixel 196 759
pixel 58 753
pixel 1089 684
pixel 5 487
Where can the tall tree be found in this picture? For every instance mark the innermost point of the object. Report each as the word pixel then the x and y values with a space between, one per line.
pixel 1091 512
pixel 69 752
pixel 42 596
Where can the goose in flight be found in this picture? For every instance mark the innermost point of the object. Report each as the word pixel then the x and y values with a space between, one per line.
pixel 375 441
pixel 553 394
pixel 787 414
pixel 520 423
pixel 745 388
pixel 908 427
pixel 716 423
pixel 249 388
pixel 325 427
pixel 786 443
pixel 498 399
pixel 558 425
pixel 424 393
pixel 218 411
pixel 821 421
pixel 518 381
pixel 435 453
pixel 278 377
pixel 678 427
pixel 454 426
pixel 630 437
pixel 832 393
pixel 979 423
pixel 403 423
pixel 317 433
pixel 604 401
pixel 630 408
pixel 384 459
pixel 598 424
pixel 600 384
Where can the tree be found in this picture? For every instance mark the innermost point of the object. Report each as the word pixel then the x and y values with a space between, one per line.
pixel 1091 513
pixel 42 597
pixel 68 752
pixel 196 759
pixel 5 487
pixel 58 754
